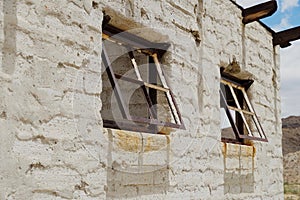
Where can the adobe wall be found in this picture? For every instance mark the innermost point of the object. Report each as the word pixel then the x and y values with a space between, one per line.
pixel 53 143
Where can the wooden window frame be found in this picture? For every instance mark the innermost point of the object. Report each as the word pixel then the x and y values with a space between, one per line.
pixel 238 89
pixel 155 51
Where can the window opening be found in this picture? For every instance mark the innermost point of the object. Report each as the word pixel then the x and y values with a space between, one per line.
pixel 242 121
pixel 138 95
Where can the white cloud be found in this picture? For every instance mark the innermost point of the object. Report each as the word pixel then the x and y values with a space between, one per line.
pixel 284 4
pixel 290 80
pixel 284 24
pixel 248 3
pixel 288 4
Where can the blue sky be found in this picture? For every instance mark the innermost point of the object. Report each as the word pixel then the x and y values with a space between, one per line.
pixel 287 16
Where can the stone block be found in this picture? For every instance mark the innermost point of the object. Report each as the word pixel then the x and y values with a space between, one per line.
pixel 50 103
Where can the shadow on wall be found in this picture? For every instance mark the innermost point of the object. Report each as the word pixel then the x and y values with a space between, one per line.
pixel 137 164
pixel 238 168
pixel 9 43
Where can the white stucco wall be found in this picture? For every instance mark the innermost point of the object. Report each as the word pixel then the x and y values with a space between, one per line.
pixel 53 143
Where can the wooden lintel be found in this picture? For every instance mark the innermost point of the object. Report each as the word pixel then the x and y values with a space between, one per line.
pixel 283 38
pixel 259 11
pixel 133 40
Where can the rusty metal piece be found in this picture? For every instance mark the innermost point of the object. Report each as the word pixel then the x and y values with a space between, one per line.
pixel 231 120
pixel 115 86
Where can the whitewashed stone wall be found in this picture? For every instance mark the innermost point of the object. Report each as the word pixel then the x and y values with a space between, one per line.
pixel 53 144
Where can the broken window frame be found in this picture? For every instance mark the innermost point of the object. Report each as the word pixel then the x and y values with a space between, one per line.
pixel 155 51
pixel 240 123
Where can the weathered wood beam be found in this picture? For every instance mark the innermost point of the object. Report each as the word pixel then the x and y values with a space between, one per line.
pixel 133 40
pixel 259 11
pixel 283 38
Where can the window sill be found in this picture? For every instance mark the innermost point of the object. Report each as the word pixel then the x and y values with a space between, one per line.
pixel 137 151
pixel 131 126
pixel 238 150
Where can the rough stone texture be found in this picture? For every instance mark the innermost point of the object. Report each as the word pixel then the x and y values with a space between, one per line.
pixel 53 144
